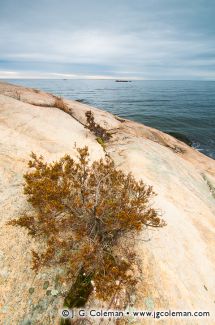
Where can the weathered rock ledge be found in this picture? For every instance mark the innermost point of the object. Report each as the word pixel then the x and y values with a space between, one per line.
pixel 178 261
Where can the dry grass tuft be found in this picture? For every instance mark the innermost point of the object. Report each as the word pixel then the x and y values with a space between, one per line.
pixel 59 103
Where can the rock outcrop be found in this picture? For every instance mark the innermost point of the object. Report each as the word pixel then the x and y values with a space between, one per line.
pixel 178 261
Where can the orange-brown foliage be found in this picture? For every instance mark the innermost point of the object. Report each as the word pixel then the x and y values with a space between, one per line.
pixel 81 211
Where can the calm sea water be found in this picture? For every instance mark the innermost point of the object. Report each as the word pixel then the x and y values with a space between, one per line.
pixel 185 108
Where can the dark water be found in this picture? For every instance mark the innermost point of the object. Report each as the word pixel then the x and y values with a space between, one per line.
pixel 178 107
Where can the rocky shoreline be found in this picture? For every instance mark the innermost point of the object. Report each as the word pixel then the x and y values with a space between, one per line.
pixel 177 262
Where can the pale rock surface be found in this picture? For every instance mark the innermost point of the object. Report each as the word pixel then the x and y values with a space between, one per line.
pixel 178 261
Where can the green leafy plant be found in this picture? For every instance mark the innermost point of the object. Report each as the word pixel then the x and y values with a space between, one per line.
pixel 101 142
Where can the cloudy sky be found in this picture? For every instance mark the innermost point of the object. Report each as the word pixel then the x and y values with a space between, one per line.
pixel 144 39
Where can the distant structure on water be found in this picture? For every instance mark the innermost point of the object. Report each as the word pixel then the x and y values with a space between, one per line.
pixel 122 80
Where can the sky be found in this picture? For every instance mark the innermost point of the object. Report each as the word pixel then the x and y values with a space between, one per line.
pixel 131 39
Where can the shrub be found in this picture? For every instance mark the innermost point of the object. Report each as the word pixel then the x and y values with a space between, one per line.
pixel 82 212
pixel 99 131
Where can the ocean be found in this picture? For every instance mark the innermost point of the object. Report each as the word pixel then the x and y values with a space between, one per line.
pixel 185 109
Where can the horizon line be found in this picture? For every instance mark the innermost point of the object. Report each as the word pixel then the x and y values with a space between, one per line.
pixel 124 79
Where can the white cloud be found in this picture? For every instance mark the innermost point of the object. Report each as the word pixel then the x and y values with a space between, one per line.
pixel 53 75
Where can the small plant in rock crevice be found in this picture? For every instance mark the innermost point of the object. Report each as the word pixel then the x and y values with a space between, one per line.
pixel 95 128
